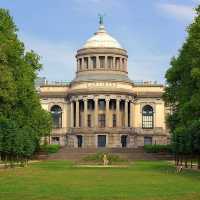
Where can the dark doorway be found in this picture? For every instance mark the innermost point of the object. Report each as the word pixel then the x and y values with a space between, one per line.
pixel 124 139
pixel 101 140
pixel 80 140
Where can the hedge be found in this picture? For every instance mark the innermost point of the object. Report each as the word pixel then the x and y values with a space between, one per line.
pixel 157 148
pixel 50 148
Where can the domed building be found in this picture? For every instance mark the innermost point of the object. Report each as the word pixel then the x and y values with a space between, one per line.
pixel 101 106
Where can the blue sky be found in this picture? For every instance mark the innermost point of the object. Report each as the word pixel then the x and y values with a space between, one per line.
pixel 151 30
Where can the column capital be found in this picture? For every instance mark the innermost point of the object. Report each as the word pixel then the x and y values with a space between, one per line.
pixel 107 98
pixel 96 98
pixel 85 99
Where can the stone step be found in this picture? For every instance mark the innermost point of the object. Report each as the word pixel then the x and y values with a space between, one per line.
pixel 129 154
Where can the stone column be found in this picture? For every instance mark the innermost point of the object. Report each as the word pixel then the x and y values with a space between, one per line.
pixel 107 112
pixel 117 111
pixel 85 113
pixel 114 64
pixel 96 112
pixel 131 114
pixel 77 113
pixel 98 62
pixel 80 63
pixel 89 63
pixel 126 63
pixel 72 113
pixel 106 62
pixel 120 64
pixel 126 113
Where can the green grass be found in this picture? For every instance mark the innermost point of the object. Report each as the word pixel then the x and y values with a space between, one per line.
pixel 60 180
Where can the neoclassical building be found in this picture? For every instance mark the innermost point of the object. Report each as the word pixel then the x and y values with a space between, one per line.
pixel 101 106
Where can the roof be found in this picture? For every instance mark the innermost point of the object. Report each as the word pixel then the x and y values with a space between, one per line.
pixel 102 39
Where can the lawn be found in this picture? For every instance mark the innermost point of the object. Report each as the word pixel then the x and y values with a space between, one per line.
pixel 60 180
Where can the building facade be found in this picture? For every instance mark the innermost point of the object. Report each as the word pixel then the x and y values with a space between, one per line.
pixel 101 106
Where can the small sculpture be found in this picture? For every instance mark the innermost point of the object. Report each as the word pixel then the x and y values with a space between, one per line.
pixel 101 19
pixel 105 160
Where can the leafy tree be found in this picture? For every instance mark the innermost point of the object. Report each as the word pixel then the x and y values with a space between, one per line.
pixel 22 120
pixel 183 94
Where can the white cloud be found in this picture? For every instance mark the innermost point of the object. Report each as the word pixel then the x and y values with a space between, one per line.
pixel 57 57
pixel 181 12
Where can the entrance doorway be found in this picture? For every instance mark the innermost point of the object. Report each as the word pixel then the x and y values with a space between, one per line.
pixel 101 140
pixel 124 140
pixel 80 140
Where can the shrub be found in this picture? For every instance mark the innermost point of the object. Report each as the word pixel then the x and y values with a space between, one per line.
pixel 50 148
pixel 157 148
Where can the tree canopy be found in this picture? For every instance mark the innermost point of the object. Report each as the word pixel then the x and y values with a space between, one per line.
pixel 22 120
pixel 182 94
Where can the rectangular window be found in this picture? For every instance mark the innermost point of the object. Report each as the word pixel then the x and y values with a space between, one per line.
pixel 102 61
pixel 110 62
pixel 94 62
pixel 86 62
pixel 114 121
pixel 147 140
pixel 147 121
pixel 89 121
pixel 117 63
pixel 55 140
pixel 102 121
pixel 102 105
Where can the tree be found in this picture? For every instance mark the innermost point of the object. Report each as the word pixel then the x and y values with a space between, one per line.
pixel 183 94
pixel 23 122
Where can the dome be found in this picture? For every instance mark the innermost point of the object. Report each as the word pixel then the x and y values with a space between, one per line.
pixel 101 39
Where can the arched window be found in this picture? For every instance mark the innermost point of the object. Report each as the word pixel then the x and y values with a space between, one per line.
pixel 147 117
pixel 56 112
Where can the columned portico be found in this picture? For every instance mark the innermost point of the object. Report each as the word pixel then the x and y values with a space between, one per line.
pixel 109 112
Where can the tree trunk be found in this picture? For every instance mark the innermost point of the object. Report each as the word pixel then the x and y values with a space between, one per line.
pixel 198 162
pixel 186 162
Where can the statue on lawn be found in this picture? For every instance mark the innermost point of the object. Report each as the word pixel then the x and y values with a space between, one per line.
pixel 105 160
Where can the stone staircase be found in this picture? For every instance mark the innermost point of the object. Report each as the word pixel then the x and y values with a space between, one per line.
pixel 130 154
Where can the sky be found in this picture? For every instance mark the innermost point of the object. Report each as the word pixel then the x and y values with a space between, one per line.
pixel 152 31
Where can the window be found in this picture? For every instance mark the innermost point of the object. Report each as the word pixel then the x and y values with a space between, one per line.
pixel 56 113
pixel 110 62
pixel 89 122
pixel 117 63
pixel 123 63
pixel 80 63
pixel 90 105
pixel 94 62
pixel 147 117
pixel 112 105
pixel 114 120
pixel 147 140
pixel 102 61
pixel 55 140
pixel 102 121
pixel 102 105
pixel 86 63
